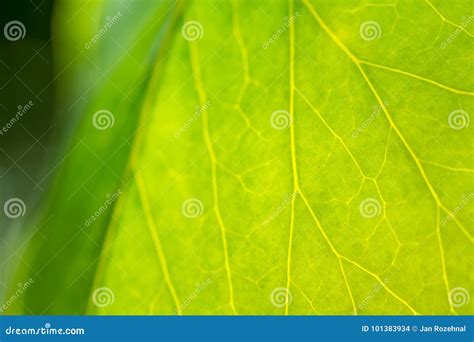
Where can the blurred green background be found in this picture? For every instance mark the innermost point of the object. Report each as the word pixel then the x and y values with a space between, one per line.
pixel 189 119
pixel 28 147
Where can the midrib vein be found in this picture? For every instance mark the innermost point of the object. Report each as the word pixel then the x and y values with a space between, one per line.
pixel 156 239
pixel 293 151
pixel 196 67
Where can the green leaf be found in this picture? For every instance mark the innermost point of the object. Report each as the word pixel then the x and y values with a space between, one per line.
pixel 278 157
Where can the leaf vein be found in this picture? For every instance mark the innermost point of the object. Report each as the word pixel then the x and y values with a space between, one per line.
pixel 207 139
pixel 156 239
pixel 357 63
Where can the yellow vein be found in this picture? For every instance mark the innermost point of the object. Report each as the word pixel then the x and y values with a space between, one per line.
pixel 447 20
pixel 332 132
pixel 385 154
pixel 382 283
pixel 156 239
pixel 306 298
pixel 240 179
pixel 333 249
pixel 443 260
pixel 455 169
pixel 459 224
pixel 387 114
pixel 374 180
pixel 418 77
pixel 240 41
pixel 195 64
pixel 245 64
pixel 132 162
pixel 293 149
pixel 379 191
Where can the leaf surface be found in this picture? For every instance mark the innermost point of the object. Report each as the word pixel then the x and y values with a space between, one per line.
pixel 283 153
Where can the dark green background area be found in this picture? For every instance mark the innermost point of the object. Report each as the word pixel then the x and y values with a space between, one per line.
pixel 26 74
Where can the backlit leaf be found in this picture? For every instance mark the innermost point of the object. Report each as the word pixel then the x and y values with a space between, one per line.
pixel 266 157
